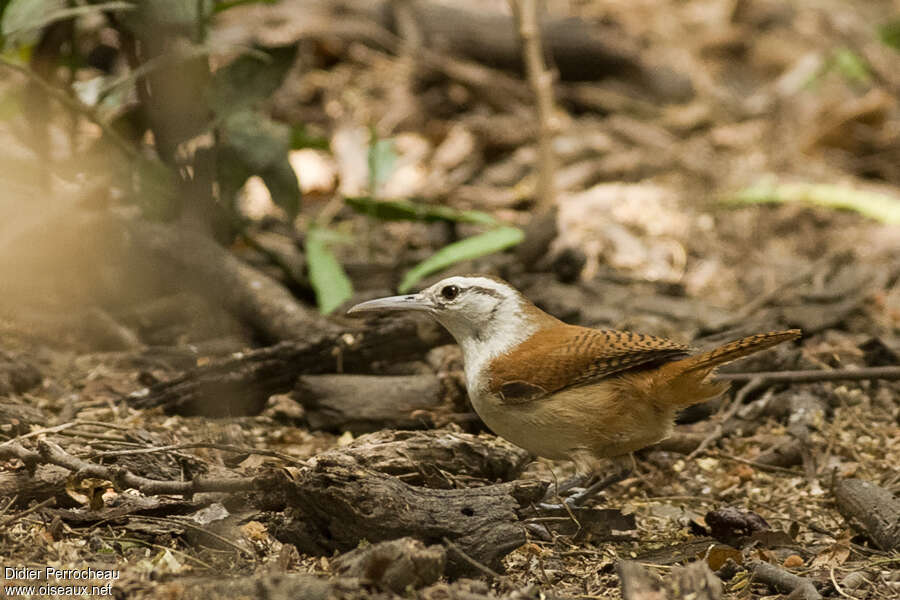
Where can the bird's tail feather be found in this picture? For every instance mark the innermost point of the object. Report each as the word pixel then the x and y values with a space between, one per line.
pixel 684 380
pixel 732 351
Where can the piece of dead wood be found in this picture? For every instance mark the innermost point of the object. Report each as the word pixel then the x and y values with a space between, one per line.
pixel 694 581
pixel 242 383
pixel 581 51
pixel 394 565
pixel 366 403
pixel 255 298
pixel 51 453
pixel 292 586
pixel 334 508
pixel 782 581
pixel 871 509
pixel 432 458
pixel 46 481
pixel 438 459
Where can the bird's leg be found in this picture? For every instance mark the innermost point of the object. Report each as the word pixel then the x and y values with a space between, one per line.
pixel 556 489
pixel 623 466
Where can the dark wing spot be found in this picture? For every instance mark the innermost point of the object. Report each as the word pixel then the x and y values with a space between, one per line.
pixel 517 392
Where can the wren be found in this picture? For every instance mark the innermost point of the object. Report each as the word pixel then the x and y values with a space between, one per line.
pixel 562 391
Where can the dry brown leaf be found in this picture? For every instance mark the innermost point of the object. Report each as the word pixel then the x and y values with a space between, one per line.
pixel 837 554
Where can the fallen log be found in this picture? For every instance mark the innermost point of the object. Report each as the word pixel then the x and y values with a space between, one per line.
pixel 47 481
pixel 579 50
pixel 257 299
pixel 432 458
pixel 365 403
pixel 241 384
pixel 870 509
pixel 333 508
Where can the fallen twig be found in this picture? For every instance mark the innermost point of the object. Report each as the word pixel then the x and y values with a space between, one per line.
pixel 49 452
pixel 481 567
pixel 188 446
pixel 13 518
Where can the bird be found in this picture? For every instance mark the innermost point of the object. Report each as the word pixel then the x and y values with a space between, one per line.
pixel 566 392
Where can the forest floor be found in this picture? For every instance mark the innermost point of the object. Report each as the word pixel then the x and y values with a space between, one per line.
pixel 106 359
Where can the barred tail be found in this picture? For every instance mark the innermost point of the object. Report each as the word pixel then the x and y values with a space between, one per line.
pixel 684 382
pixel 731 351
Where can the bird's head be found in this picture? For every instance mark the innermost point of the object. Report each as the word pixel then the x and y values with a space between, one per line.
pixel 475 309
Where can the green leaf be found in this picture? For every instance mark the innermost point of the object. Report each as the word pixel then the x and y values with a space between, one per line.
pixel 250 79
pixel 382 158
pixel 302 137
pixel 485 243
pixel 406 210
pixel 874 205
pixel 328 279
pixel 253 144
pixel 851 65
pixel 889 34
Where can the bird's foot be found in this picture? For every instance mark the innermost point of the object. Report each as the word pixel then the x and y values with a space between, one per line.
pixel 581 497
pixel 556 490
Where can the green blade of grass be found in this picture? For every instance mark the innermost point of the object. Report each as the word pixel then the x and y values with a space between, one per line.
pixel 406 210
pixel 482 244
pixel 326 275
pixel 874 205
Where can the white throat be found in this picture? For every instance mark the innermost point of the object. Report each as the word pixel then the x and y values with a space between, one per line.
pixel 507 328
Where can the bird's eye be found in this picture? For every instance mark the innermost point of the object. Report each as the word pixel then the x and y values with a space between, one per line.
pixel 449 292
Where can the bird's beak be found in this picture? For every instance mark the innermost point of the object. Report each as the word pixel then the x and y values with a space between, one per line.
pixel 393 303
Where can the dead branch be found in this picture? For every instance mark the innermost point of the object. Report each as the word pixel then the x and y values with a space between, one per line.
pixel 871 509
pixel 13 518
pixel 581 51
pixel 188 446
pixel 332 402
pixel 241 384
pixel 51 453
pixel 254 297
